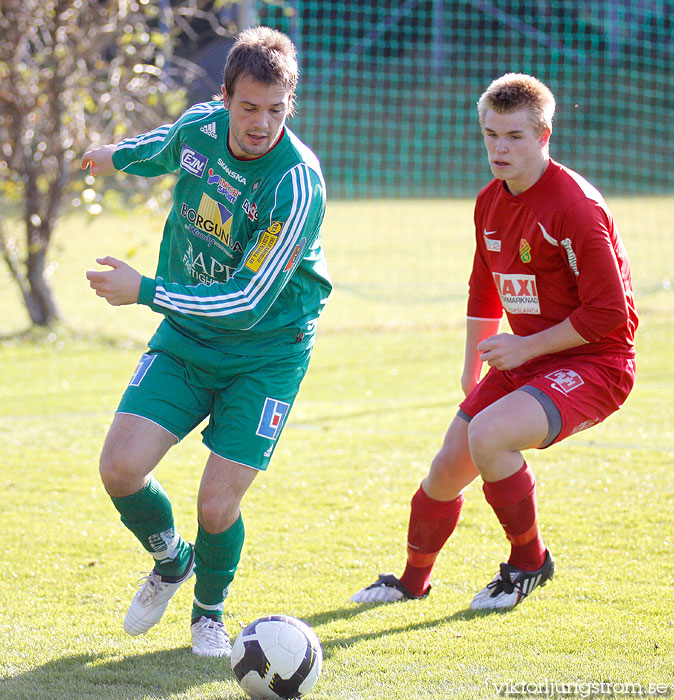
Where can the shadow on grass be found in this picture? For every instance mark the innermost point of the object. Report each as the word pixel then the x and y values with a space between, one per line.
pixel 26 335
pixel 154 675
pixel 161 674
pixel 354 611
pixel 62 332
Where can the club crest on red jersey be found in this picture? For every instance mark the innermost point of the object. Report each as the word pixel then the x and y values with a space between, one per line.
pixel 525 251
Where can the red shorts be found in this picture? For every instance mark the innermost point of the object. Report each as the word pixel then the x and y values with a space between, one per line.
pixel 576 392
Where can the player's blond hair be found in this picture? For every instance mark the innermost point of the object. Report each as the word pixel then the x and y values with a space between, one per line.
pixel 266 55
pixel 514 91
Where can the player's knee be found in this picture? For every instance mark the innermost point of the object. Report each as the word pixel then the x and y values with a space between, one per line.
pixel 107 467
pixel 217 515
pixel 483 440
pixel 450 473
pixel 115 469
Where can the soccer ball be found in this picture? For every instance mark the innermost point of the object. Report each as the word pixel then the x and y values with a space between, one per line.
pixel 277 657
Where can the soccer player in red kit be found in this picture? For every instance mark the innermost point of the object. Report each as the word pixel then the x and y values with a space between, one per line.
pixel 548 253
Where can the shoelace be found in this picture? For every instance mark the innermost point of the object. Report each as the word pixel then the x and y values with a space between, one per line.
pixel 208 624
pixel 212 631
pixel 503 584
pixel 150 586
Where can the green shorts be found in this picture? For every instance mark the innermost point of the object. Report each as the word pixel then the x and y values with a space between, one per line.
pixel 247 400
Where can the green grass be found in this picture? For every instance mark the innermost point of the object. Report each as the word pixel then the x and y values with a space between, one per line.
pixel 332 510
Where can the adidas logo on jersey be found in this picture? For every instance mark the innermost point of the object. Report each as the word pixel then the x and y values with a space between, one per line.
pixel 209 130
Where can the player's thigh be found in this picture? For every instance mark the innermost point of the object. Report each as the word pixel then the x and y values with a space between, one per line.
pixel 251 411
pixel 452 468
pixel 517 421
pixel 501 420
pixel 132 449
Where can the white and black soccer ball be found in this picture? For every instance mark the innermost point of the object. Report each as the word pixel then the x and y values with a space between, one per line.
pixel 277 657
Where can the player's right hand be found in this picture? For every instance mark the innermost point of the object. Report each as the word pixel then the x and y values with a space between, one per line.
pixel 100 160
pixel 118 286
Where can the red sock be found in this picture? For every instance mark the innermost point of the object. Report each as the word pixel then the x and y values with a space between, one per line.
pixel 431 524
pixel 514 501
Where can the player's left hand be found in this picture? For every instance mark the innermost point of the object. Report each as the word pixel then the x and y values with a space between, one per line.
pixel 504 351
pixel 118 286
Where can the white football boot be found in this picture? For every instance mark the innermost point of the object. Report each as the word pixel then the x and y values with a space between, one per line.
pixel 151 601
pixel 386 589
pixel 210 638
pixel 511 586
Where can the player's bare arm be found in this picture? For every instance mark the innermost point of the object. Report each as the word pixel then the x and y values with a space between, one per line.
pixel 507 351
pixel 118 286
pixel 100 160
pixel 477 330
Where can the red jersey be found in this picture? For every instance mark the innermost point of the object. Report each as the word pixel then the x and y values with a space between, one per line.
pixel 550 253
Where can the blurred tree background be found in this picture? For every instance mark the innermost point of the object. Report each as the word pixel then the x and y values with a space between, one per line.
pixel 80 73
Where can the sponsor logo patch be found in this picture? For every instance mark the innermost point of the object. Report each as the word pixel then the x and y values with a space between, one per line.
pixel 493 244
pixel 209 130
pixel 272 417
pixel 204 268
pixel 141 369
pixel 232 173
pixel 250 209
pixel 192 161
pixel 573 261
pixel 268 240
pixel 211 217
pixel 518 293
pixel 161 541
pixel 295 254
pixel 212 240
pixel 565 380
pixel 584 426
pixel 224 188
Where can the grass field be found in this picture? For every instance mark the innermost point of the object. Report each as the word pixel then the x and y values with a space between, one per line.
pixel 332 510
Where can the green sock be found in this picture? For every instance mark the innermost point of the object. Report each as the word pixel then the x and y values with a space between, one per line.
pixel 217 557
pixel 149 516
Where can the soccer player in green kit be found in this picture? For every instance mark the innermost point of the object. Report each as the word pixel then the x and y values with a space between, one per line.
pixel 241 280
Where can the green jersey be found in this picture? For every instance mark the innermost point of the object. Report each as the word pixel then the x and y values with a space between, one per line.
pixel 241 268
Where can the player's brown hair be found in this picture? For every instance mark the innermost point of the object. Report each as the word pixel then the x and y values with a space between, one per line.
pixel 266 55
pixel 515 91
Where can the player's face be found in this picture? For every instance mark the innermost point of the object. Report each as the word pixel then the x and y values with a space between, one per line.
pixel 518 152
pixel 257 113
